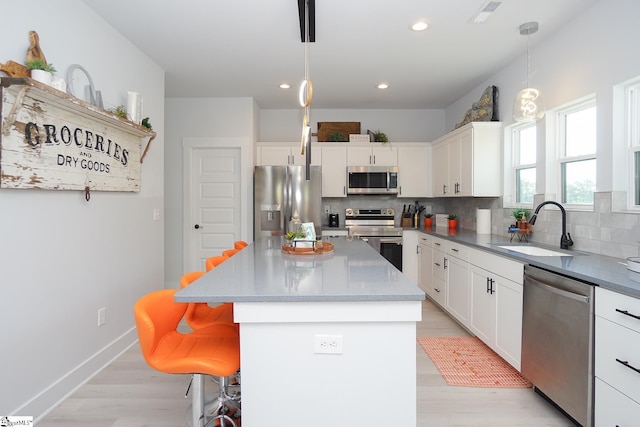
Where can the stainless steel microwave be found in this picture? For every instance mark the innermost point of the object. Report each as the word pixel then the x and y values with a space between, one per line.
pixel 372 180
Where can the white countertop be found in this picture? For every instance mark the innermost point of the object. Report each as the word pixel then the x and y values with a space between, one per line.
pixel 262 273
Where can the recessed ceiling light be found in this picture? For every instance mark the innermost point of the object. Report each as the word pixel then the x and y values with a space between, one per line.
pixel 382 85
pixel 419 26
pixel 284 86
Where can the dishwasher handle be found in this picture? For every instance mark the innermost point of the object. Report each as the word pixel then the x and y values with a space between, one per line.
pixel 558 291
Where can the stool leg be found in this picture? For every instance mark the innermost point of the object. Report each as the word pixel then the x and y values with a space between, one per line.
pixel 197 405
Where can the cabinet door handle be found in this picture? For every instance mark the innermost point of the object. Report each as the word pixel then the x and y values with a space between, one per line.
pixel 436 289
pixel 455 250
pixel 626 313
pixel 491 290
pixel 374 159
pixel 437 264
pixel 344 190
pixel 445 263
pixel 417 249
pixel 444 189
pixel 626 363
pixel 436 243
pixel 399 190
pixel 487 285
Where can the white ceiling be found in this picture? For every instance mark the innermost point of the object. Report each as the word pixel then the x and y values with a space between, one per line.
pixel 233 48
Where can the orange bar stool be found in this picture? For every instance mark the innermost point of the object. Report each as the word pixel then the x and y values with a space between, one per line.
pixel 213 351
pixel 240 244
pixel 199 314
pixel 230 252
pixel 215 261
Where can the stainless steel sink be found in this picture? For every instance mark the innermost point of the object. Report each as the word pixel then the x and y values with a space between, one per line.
pixel 534 250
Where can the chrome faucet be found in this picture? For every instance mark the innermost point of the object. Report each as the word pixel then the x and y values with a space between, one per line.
pixel 565 240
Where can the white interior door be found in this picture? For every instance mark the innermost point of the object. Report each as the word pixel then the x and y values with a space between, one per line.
pixel 213 194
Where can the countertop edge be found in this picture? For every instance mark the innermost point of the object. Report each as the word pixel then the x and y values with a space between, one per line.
pixel 600 270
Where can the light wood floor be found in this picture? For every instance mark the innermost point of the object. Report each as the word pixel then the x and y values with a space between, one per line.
pixel 130 394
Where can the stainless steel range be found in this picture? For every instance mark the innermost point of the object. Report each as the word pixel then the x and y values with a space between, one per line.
pixel 377 227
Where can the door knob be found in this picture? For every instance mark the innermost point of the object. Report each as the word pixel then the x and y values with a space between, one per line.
pixel 196 226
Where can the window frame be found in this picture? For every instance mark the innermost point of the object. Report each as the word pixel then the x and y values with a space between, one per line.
pixel 512 153
pixel 562 159
pixel 632 139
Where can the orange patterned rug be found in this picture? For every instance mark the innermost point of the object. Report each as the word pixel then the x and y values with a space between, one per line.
pixel 467 361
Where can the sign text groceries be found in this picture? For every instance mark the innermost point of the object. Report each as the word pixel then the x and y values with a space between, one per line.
pixel 83 139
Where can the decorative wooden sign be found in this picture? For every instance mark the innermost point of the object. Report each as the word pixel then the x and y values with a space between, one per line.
pixel 52 140
pixel 325 129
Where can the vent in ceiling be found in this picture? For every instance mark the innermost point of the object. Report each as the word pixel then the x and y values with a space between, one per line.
pixel 485 11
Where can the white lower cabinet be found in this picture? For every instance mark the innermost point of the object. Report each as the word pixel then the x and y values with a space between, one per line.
pixel 458 282
pixel 496 304
pixel 617 359
pixel 439 280
pixel 411 254
pixel 425 267
pixel 614 408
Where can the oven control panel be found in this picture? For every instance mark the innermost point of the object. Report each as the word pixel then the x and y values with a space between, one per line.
pixel 385 212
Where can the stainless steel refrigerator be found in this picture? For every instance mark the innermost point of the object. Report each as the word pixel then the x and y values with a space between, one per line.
pixel 279 191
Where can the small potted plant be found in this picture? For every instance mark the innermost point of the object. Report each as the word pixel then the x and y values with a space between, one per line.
pixel 380 136
pixel 453 221
pixel 41 71
pixel 428 220
pixel 521 215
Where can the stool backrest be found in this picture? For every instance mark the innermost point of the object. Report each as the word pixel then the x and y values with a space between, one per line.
pixel 190 277
pixel 156 315
pixel 215 261
pixel 230 252
pixel 240 244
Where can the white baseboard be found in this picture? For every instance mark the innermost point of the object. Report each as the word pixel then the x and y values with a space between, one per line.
pixel 45 401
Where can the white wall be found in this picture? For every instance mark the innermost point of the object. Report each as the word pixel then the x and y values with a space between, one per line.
pixel 399 125
pixel 203 118
pixel 63 258
pixel 590 55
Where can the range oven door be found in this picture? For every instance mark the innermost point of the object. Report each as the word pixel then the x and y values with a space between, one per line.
pixel 389 247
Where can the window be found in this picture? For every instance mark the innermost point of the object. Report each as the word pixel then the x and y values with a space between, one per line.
pixel 633 138
pixel 524 163
pixel 577 142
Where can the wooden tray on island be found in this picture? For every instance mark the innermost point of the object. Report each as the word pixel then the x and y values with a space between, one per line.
pixel 326 248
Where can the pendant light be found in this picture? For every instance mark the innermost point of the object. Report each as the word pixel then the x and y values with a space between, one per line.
pixel 305 94
pixel 529 104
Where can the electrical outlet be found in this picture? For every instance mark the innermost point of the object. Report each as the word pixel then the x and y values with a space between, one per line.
pixel 327 209
pixel 156 214
pixel 102 316
pixel 328 344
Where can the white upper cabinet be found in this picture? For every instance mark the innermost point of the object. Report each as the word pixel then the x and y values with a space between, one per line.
pixel 372 154
pixel 283 154
pixel 468 161
pixel 414 177
pixel 334 170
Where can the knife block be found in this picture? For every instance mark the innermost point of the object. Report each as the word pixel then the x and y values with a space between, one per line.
pixel 406 222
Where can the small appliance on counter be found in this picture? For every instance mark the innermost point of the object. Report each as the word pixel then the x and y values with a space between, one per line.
pixel 334 220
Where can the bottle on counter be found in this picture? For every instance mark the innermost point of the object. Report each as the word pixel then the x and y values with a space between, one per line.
pixel 294 223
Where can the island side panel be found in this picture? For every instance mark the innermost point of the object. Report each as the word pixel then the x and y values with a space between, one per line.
pixel 286 383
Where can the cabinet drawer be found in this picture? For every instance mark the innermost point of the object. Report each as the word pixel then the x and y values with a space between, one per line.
pixel 612 306
pixel 616 344
pixel 439 244
pixel 425 240
pixel 457 250
pixel 613 408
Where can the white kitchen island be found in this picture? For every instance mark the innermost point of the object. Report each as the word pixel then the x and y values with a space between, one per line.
pixel 324 339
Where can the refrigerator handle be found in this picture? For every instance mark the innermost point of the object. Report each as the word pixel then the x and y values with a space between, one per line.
pixel 286 211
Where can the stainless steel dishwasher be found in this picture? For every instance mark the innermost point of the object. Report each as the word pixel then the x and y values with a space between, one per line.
pixel 557 340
